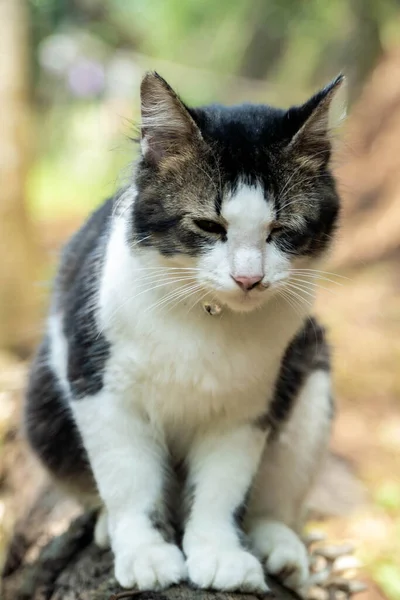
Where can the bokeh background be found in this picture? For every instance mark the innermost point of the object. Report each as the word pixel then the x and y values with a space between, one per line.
pixel 69 85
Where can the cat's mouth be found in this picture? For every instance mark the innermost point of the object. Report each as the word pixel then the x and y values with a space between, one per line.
pixel 244 301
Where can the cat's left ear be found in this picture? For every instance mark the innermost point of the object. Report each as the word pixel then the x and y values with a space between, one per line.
pixel 167 128
pixel 312 124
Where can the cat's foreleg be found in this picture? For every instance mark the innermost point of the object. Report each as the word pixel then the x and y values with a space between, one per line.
pixel 221 470
pixel 130 469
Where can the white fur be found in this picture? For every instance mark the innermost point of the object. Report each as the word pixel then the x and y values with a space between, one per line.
pixel 128 459
pixel 58 351
pixel 296 455
pixel 179 382
pixel 282 552
pixel 221 461
pixel 249 217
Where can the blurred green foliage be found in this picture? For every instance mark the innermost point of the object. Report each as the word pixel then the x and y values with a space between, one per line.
pixel 88 57
pixel 387 574
pixel 388 496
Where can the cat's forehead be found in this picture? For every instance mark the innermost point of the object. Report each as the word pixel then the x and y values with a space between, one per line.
pixel 248 204
pixel 246 140
pixel 241 123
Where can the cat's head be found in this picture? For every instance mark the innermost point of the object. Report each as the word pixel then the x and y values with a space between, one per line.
pixel 234 198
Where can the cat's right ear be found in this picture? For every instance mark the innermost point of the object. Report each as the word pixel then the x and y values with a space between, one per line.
pixel 167 128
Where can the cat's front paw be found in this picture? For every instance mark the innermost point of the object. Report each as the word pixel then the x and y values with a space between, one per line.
pixel 150 567
pixel 229 569
pixel 283 553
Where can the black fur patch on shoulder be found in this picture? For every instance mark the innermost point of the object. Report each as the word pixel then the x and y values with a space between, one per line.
pixel 76 250
pixel 51 429
pixel 88 352
pixel 307 352
pixel 76 293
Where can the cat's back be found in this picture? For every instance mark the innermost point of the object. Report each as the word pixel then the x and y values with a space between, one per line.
pixel 83 253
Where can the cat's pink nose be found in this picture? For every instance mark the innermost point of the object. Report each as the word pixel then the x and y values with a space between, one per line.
pixel 247 283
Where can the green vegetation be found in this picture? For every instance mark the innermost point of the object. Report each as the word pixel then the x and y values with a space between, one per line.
pixel 88 58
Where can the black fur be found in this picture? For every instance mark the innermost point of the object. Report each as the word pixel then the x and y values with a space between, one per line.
pixel 49 423
pixel 307 352
pixel 81 262
pixel 51 430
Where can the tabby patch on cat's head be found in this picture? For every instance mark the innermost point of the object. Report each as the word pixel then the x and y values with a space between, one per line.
pixel 238 194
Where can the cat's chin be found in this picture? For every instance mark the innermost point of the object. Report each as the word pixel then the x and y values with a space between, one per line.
pixel 244 303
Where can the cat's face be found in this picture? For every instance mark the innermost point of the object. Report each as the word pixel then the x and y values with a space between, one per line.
pixel 234 199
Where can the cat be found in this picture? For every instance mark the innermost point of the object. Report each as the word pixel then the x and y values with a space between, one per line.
pixel 182 385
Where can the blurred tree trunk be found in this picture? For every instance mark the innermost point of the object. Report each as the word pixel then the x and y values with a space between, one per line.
pixel 20 257
pixel 270 34
pixel 367 46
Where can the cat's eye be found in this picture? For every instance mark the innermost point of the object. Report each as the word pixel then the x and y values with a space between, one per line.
pixel 276 228
pixel 210 226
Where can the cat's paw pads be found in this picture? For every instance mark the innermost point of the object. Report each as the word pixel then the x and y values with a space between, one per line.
pixel 285 556
pixel 101 536
pixel 226 570
pixel 152 567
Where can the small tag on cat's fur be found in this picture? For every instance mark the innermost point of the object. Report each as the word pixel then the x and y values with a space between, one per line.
pixel 212 308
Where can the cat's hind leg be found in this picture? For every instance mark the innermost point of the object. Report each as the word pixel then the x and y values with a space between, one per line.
pixel 288 469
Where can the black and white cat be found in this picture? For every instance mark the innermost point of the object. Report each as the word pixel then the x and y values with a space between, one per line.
pixel 182 385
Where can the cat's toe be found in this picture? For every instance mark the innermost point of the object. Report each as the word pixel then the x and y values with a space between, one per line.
pixel 289 563
pixel 152 567
pixel 284 554
pixel 226 570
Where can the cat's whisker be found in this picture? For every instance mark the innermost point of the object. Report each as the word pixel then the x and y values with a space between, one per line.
pixel 131 298
pixel 186 296
pixel 183 295
pixel 159 277
pixel 299 198
pixel 289 300
pixel 306 179
pixel 307 284
pixel 307 176
pixel 289 180
pixel 218 169
pixel 319 271
pixel 167 269
pixel 208 176
pixel 172 295
pixel 123 198
pixel 197 301
pixel 137 242
pixel 317 277
pixel 189 295
pixel 300 298
pixel 298 184
pixel 293 286
pixel 155 277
